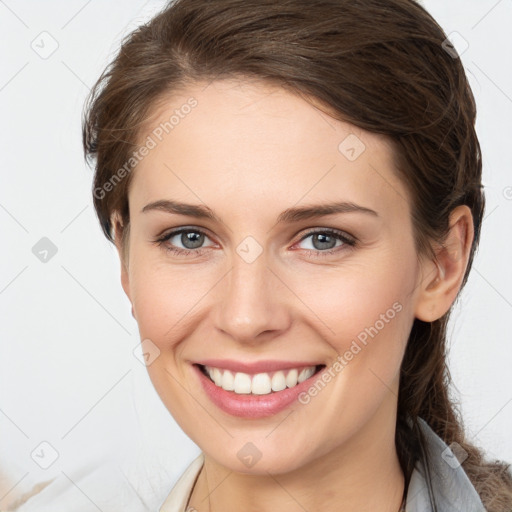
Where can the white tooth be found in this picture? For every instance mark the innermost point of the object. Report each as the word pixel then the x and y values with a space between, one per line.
pixel 278 381
pixel 209 371
pixel 305 374
pixel 242 383
pixel 291 378
pixel 217 376
pixel 261 384
pixel 228 381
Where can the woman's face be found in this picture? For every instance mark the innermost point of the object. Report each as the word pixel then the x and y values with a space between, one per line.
pixel 265 279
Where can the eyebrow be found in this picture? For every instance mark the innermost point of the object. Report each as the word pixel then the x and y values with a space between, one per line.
pixel 289 215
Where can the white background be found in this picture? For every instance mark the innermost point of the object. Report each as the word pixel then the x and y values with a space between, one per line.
pixel 68 374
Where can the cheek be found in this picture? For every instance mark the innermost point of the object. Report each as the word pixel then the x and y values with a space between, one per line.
pixel 358 295
pixel 165 297
pixel 369 317
pixel 166 304
pixel 365 313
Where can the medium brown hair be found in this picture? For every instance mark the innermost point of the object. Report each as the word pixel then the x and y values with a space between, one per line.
pixel 382 65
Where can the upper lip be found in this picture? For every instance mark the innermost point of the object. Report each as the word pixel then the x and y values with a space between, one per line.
pixel 255 367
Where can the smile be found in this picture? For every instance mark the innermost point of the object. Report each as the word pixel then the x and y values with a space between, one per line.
pixel 261 383
pixel 255 393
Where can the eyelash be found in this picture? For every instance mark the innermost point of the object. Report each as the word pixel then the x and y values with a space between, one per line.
pixel 348 240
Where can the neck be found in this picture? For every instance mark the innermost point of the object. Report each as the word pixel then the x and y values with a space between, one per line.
pixel 362 474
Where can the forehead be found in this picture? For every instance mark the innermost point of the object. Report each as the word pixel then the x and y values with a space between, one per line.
pixel 244 143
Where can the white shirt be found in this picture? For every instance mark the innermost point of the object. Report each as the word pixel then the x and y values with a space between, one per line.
pixel 449 484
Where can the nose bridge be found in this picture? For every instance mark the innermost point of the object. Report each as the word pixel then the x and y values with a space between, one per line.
pixel 249 304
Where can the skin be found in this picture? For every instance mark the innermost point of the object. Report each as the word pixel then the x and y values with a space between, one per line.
pixel 248 151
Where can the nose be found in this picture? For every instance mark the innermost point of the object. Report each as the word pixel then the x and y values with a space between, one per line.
pixel 252 302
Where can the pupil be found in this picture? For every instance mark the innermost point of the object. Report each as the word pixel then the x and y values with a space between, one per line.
pixel 188 237
pixel 324 236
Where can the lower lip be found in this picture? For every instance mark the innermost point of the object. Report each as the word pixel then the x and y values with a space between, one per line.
pixel 252 406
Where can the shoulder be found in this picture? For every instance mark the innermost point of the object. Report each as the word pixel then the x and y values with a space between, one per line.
pixel 439 477
pixel 179 495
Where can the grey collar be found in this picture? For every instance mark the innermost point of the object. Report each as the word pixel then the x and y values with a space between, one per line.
pixel 450 489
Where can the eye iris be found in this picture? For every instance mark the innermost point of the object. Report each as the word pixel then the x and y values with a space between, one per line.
pixel 323 238
pixel 192 236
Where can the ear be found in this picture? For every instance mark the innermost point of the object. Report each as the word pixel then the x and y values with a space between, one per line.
pixel 443 276
pixel 120 233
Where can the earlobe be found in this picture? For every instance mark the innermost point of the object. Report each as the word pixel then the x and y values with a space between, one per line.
pixel 443 277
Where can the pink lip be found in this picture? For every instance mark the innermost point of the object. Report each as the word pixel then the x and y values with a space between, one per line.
pixel 256 367
pixel 252 406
